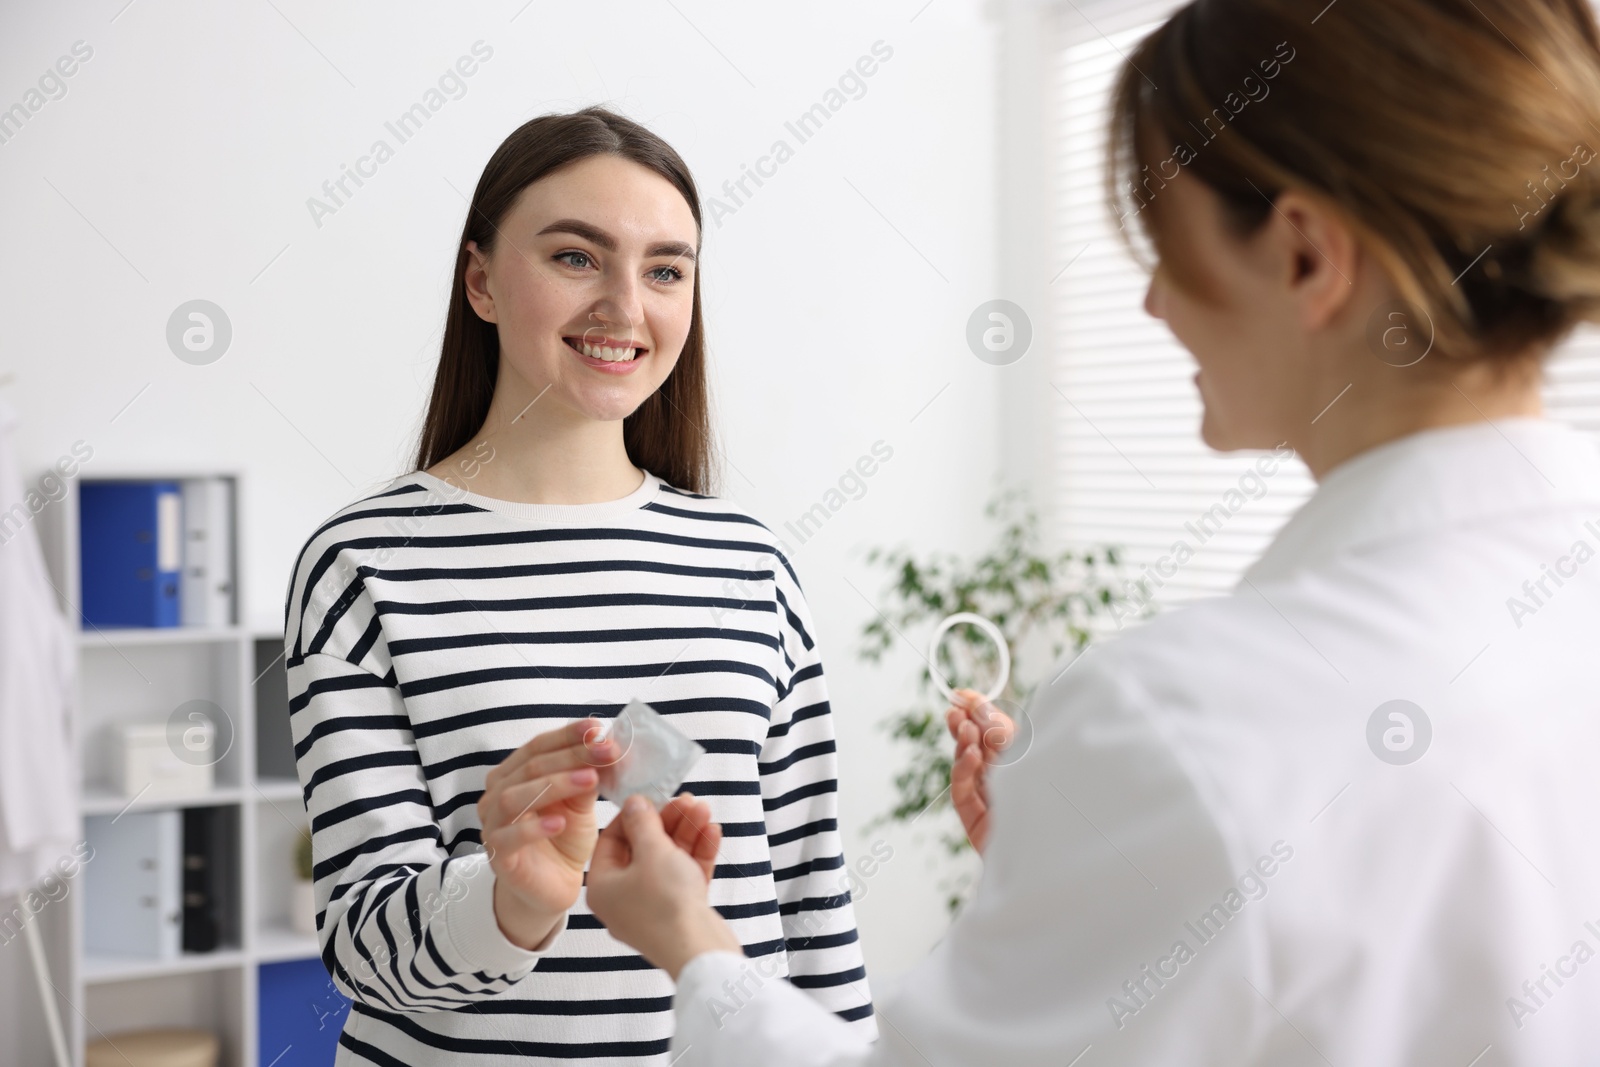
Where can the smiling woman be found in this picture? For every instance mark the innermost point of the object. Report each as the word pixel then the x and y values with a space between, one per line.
pixel 539 275
pixel 450 651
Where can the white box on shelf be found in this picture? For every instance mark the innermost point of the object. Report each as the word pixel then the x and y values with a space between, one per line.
pixel 146 760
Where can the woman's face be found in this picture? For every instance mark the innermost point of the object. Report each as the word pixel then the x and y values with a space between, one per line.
pixel 591 283
pixel 1248 333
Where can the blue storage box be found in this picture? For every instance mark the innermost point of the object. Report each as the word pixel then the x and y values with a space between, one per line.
pixel 301 1014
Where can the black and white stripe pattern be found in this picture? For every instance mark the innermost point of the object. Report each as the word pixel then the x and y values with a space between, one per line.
pixel 429 632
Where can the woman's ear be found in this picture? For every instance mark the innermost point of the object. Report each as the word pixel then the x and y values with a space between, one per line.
pixel 1319 254
pixel 476 281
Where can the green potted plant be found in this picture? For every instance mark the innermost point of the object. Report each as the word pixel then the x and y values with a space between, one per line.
pixel 1044 602
pixel 302 900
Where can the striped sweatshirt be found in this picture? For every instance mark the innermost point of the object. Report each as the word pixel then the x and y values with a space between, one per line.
pixel 428 632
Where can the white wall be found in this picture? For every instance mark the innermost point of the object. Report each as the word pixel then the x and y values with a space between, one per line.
pixel 179 162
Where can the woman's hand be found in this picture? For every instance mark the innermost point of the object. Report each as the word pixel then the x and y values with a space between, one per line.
pixel 537 813
pixel 981 731
pixel 648 881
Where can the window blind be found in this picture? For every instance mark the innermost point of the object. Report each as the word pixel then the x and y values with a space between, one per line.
pixel 1130 467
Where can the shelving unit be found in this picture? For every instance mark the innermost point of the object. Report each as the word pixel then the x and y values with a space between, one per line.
pixel 143 674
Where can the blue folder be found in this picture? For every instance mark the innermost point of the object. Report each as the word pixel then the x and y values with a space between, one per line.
pixel 301 1016
pixel 130 537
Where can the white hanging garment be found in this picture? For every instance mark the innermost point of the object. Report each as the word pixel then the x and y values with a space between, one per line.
pixel 38 801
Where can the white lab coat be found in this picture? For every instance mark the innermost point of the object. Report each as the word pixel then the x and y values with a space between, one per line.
pixel 38 801
pixel 1202 860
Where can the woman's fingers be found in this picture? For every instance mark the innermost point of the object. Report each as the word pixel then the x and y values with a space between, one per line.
pixel 963 703
pixel 611 850
pixel 998 732
pixel 980 723
pixel 953 718
pixel 683 828
pixel 581 758
pixel 582 803
pixel 970 797
pixel 706 847
pixel 981 732
pixel 517 802
pixel 583 753
pixel 967 739
pixel 691 817
pixel 573 737
pixel 642 822
pixel 993 724
pixel 966 782
pixel 507 840
pixel 688 821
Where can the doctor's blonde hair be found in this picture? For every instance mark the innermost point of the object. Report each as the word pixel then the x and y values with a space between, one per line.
pixel 1460 138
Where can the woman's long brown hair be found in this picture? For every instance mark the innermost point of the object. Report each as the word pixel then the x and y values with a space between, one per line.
pixel 669 435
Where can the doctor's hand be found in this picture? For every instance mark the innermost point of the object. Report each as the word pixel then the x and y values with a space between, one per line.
pixel 648 881
pixel 537 815
pixel 981 731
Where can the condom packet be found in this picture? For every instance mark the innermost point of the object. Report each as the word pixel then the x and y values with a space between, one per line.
pixel 656 756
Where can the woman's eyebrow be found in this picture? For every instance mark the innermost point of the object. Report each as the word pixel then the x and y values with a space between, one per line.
pixel 579 228
pixel 676 249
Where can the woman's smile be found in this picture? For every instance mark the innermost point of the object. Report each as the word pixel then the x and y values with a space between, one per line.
pixel 606 354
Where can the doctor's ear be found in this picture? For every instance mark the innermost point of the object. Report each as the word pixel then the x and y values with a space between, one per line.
pixel 1317 253
pixel 476 282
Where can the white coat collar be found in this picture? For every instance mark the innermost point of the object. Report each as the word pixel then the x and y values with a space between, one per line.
pixel 1435 479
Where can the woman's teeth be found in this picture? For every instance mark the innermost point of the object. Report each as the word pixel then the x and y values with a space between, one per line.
pixel 605 352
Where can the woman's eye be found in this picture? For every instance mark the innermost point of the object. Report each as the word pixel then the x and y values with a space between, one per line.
pixel 665 274
pixel 580 260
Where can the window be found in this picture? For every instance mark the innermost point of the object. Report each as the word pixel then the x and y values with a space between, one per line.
pixel 1130 467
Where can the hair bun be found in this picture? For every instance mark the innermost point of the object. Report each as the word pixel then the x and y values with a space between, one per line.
pixel 1563 261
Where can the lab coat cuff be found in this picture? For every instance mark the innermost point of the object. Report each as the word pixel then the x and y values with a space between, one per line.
pixel 473 941
pixel 706 972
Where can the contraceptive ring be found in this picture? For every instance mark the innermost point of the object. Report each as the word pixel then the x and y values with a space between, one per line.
pixel 994 634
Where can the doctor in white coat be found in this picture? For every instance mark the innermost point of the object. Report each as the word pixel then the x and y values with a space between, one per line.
pixel 1346 815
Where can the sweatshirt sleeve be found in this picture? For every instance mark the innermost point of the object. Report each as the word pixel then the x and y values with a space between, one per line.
pixel 799 790
pixel 404 925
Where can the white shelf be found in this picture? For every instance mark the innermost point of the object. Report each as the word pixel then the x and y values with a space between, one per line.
pixel 98 800
pixel 277 943
pixel 98 970
pixel 123 636
pixel 142 674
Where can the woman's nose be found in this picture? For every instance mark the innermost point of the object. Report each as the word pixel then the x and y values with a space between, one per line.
pixel 619 308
